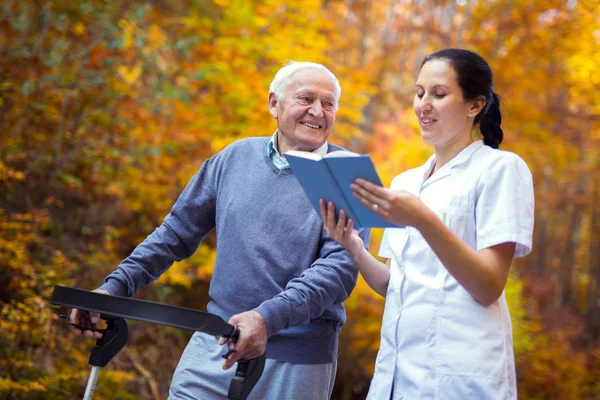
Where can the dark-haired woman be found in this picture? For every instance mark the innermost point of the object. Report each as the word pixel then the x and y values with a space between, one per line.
pixel 463 216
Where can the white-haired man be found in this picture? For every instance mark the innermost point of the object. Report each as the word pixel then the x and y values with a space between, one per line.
pixel 277 276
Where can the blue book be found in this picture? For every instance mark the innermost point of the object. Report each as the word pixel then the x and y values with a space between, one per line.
pixel 329 177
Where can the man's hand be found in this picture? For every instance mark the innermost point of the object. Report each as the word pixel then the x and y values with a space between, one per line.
pixel 252 341
pixel 88 319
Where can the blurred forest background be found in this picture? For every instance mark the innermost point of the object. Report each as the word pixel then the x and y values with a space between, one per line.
pixel 108 107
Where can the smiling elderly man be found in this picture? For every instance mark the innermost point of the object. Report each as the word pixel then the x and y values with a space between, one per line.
pixel 277 274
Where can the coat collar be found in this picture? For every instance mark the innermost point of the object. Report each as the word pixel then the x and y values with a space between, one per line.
pixel 462 157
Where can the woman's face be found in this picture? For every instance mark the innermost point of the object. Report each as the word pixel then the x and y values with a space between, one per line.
pixel 444 116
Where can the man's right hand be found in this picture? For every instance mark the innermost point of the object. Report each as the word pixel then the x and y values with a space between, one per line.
pixel 87 319
pixel 253 337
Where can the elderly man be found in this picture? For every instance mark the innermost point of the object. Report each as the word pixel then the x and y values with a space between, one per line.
pixel 277 275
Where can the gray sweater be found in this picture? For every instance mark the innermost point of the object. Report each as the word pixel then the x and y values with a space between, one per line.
pixel 273 255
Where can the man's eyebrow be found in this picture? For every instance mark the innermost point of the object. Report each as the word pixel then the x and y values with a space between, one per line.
pixel 312 93
pixel 305 92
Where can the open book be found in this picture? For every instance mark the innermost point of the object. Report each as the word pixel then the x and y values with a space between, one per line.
pixel 329 177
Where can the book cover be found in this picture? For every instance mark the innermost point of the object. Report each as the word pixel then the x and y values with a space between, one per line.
pixel 329 178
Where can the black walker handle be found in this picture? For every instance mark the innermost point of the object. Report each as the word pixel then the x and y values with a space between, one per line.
pixel 114 310
pixel 112 341
pixel 246 376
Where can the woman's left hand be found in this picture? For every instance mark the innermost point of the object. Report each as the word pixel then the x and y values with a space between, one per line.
pixel 397 206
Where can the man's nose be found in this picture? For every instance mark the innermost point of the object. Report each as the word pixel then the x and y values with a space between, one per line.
pixel 316 109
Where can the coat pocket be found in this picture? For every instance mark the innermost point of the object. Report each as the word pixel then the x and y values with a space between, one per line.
pixel 457 215
pixel 470 340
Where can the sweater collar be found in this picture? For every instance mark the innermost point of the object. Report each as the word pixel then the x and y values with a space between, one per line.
pixel 279 160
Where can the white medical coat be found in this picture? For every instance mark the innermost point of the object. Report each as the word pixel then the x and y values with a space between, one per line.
pixel 437 342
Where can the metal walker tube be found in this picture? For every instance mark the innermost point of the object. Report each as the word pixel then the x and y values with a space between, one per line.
pixel 91 383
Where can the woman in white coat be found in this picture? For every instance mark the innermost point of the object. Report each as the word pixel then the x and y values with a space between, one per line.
pixel 463 216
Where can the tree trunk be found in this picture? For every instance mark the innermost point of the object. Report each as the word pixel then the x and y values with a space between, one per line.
pixel 572 238
pixel 592 313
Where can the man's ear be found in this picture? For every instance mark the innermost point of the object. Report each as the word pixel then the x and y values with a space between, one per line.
pixel 273 105
pixel 477 106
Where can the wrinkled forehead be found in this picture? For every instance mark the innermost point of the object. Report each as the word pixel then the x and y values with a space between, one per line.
pixel 312 81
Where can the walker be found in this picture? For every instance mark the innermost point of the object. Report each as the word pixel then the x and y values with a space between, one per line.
pixel 114 310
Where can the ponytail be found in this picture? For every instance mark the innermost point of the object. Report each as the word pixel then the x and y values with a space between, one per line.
pixel 490 123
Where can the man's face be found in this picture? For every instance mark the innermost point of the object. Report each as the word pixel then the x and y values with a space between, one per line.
pixel 306 114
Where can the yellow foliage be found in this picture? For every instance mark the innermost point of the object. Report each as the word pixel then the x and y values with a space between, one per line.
pixel 130 30
pixel 551 371
pixel 102 132
pixel 156 37
pixel 7 174
pixel 79 28
pixel 198 266
pixel 130 75
pixel 20 389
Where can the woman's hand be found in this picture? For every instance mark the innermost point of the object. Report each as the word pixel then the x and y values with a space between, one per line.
pixel 397 206
pixel 376 273
pixel 340 231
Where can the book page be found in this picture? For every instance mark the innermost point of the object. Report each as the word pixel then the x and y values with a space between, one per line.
pixel 304 154
pixel 341 153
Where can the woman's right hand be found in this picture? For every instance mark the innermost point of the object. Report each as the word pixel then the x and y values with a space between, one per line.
pixel 340 231
pixel 87 319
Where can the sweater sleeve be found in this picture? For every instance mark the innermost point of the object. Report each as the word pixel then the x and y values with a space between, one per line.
pixel 190 220
pixel 329 280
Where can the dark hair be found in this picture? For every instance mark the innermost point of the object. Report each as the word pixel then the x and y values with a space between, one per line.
pixel 475 79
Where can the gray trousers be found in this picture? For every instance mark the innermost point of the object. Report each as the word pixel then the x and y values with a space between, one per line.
pixel 200 376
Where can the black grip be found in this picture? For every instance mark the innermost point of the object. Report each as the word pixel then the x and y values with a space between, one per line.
pixel 81 327
pixel 235 334
pixel 112 341
pixel 246 376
